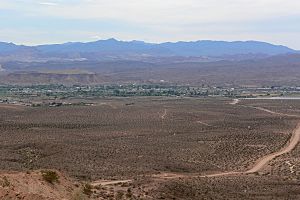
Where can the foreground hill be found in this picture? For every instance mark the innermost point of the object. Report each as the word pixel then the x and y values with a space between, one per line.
pixel 32 186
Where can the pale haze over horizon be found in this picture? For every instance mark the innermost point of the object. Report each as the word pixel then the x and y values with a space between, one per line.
pixel 33 22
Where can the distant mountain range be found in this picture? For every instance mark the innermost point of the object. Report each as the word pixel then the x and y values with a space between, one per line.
pixel 113 49
pixel 112 61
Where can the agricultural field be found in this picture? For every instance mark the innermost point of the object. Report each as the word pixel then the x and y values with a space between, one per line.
pixel 164 145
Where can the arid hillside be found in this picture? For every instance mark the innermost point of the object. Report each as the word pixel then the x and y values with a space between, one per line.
pixel 161 148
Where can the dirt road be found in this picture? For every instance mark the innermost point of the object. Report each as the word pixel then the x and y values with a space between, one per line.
pixel 294 140
pixel 109 182
pixel 272 112
pixel 262 162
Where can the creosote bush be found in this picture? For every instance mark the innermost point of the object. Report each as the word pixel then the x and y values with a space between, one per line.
pixel 5 182
pixel 87 189
pixel 50 176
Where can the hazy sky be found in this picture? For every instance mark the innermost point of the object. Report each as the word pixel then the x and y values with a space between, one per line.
pixel 56 21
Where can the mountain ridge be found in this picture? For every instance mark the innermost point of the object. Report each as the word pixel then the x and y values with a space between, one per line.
pixel 113 47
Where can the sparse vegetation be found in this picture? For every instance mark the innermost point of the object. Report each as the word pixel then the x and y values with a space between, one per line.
pixel 119 195
pixel 129 193
pixel 78 195
pixel 50 176
pixel 5 182
pixel 113 141
pixel 87 189
pixel 113 135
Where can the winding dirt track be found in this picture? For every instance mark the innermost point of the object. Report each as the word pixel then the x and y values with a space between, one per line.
pixel 262 162
pixel 106 182
pixel 271 112
pixel 294 140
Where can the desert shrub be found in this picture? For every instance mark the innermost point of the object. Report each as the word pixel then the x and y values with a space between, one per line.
pixel 5 182
pixel 129 193
pixel 50 176
pixel 119 195
pixel 87 189
pixel 78 195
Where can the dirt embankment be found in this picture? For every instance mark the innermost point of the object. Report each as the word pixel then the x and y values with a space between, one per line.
pixel 34 186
